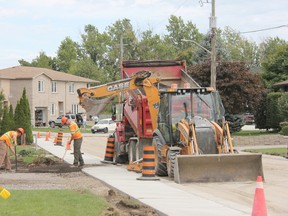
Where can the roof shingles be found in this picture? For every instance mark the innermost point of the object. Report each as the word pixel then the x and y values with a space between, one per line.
pixel 24 72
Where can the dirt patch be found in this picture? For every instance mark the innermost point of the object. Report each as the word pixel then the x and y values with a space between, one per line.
pixel 53 174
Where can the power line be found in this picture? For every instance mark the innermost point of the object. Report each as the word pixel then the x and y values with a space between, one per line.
pixel 266 29
pixel 180 5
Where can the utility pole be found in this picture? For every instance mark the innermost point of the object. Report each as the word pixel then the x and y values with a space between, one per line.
pixel 213 46
pixel 121 49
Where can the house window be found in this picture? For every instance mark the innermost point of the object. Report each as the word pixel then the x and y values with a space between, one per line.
pixel 40 86
pixel 53 109
pixel 54 86
pixel 75 108
pixel 88 85
pixel 71 87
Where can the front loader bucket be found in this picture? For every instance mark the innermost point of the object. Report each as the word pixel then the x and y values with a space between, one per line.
pixel 217 168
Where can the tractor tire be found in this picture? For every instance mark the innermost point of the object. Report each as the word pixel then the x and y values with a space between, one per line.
pixel 131 152
pixel 160 168
pixel 171 159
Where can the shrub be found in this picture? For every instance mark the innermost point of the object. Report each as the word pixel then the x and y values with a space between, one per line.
pixel 283 124
pixel 284 131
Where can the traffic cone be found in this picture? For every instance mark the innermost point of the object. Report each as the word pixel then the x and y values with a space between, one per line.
pixel 55 139
pixel 259 205
pixel 38 135
pixel 47 137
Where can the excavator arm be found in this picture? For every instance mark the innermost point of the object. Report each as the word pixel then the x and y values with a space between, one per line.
pixel 140 80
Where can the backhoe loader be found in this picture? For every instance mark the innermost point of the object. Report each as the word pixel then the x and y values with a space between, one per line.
pixel 187 127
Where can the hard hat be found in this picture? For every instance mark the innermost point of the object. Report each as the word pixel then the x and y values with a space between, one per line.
pixel 64 120
pixel 21 130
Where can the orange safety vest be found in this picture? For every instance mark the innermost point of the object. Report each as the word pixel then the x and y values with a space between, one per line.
pixel 8 137
pixel 75 131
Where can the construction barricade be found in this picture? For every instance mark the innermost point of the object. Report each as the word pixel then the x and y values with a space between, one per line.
pixel 148 164
pixel 59 138
pixel 109 154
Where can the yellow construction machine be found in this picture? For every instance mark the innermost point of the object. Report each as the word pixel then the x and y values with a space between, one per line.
pixel 187 127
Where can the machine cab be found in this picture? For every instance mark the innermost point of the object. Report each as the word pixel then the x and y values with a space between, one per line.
pixel 186 104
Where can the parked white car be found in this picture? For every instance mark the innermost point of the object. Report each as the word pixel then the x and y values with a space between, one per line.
pixel 104 125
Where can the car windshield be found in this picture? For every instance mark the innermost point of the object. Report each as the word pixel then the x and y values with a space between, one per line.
pixel 102 122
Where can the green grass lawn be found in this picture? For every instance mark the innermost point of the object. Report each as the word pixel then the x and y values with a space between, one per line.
pixel 56 130
pixel 270 151
pixel 254 133
pixel 52 203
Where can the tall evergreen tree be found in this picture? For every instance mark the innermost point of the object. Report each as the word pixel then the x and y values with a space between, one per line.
pixel 24 103
pixel 11 123
pixel 5 121
pixel 22 117
pixel 2 98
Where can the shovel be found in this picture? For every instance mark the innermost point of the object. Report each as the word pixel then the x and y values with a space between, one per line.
pixel 15 158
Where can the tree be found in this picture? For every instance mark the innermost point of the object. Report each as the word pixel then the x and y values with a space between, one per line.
pixel 274 54
pixel 5 121
pixel 153 47
pixel 273 114
pixel 239 88
pixel 177 31
pixel 11 123
pixel 2 98
pixel 87 68
pixel 42 61
pixel 67 55
pixel 122 46
pixel 94 43
pixel 22 116
pixel 238 48
pixel 283 106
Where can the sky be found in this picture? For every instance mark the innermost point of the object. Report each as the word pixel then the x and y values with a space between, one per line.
pixel 28 27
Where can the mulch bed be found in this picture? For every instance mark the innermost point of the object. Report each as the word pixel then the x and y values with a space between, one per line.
pixel 44 165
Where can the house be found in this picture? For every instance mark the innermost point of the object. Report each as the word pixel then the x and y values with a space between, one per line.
pixel 282 85
pixel 50 93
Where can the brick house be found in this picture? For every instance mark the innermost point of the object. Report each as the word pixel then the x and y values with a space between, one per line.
pixel 50 93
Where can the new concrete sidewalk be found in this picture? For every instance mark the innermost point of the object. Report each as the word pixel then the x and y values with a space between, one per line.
pixel 165 196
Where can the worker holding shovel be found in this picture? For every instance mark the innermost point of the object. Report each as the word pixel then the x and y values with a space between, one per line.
pixel 6 141
pixel 78 138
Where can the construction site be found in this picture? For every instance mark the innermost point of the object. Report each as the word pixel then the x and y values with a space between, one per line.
pixel 172 148
pixel 164 195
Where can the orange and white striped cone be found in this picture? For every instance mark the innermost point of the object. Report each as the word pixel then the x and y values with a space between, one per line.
pixel 38 135
pixel 259 205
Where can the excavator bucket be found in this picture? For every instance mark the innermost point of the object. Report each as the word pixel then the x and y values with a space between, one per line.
pixel 217 168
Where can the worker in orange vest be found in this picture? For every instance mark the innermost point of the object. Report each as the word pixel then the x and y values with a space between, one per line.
pixel 8 140
pixel 78 138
